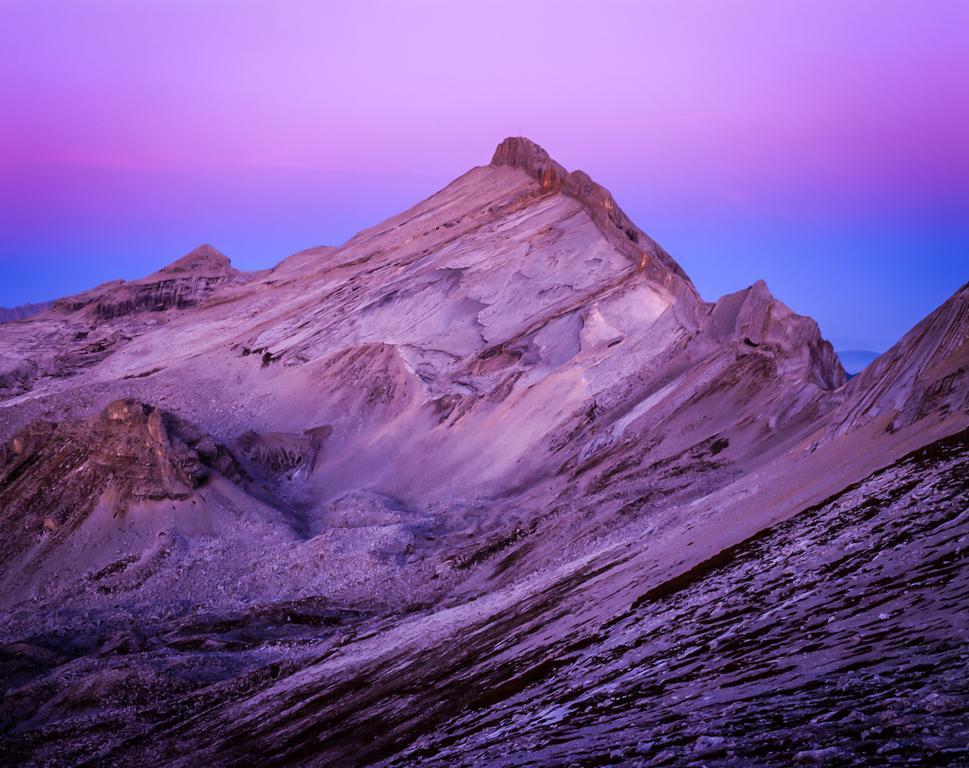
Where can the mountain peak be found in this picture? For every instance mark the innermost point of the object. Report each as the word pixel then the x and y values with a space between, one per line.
pixel 524 154
pixel 202 261
pixel 756 319
pixel 519 152
pixel 183 283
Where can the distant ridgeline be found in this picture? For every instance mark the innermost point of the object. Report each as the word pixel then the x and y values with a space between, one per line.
pixel 856 360
pixel 23 311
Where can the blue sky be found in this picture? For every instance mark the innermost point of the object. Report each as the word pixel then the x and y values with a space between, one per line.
pixel 819 146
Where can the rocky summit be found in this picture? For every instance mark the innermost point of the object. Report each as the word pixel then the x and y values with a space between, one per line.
pixel 488 484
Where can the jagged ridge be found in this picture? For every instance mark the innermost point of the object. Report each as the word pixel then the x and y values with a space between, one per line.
pixel 615 225
pixel 23 311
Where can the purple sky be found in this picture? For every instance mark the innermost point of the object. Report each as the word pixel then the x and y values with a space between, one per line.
pixel 819 145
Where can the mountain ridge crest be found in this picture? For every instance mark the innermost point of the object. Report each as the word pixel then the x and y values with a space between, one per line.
pixel 524 154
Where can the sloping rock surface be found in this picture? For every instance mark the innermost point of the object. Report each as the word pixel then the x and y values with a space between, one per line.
pixel 925 373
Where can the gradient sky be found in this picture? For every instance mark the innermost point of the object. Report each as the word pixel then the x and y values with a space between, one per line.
pixel 819 145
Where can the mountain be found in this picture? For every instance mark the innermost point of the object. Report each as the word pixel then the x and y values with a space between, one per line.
pixel 184 283
pixel 22 312
pixel 79 332
pixel 490 483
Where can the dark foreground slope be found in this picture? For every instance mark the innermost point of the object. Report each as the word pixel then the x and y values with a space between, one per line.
pixel 838 637
pixel 842 633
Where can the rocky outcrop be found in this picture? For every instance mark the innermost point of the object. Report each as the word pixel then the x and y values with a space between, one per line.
pixel 155 297
pixel 277 455
pixel 522 153
pixel 760 323
pixel 52 475
pixel 18 378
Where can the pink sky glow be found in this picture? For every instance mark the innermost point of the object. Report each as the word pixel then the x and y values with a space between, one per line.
pixel 760 134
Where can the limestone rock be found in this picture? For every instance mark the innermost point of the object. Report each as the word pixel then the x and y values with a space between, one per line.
pixel 926 374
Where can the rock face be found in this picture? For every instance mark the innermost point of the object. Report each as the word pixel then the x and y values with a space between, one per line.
pixel 277 454
pixel 487 484
pixel 754 318
pixel 53 475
